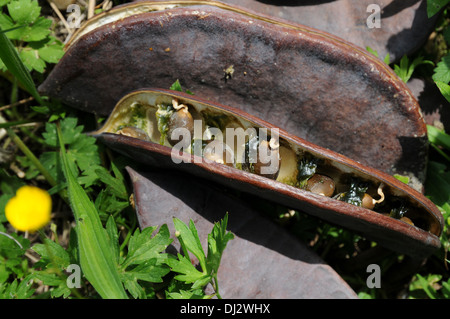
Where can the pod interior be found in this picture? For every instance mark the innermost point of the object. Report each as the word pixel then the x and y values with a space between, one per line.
pixel 214 134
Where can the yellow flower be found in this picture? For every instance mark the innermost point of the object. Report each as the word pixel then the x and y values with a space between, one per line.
pixel 30 209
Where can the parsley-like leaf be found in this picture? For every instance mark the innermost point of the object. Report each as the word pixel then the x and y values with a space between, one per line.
pixel 442 70
pixel 31 33
pixel 406 68
pixel 190 242
pixel 142 247
pixel 24 11
pixel 145 260
pixel 217 242
pixel 82 151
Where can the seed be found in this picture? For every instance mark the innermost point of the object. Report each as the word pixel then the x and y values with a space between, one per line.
pixel 180 119
pixel 219 152
pixel 134 132
pixel 321 184
pixel 368 202
pixel 269 150
pixel 407 220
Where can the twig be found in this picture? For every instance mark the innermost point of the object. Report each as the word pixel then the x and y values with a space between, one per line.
pixel 5 107
pixel 31 257
pixel 60 16
pixel 106 5
pixel 91 9
pixel 16 139
pixel 20 123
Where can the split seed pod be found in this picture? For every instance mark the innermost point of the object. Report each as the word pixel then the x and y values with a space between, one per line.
pixel 310 83
pixel 299 161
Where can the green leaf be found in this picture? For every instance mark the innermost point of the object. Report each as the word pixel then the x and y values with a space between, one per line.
pixel 442 70
pixel 434 6
pixel 116 185
pixel 142 247
pixel 145 260
pixel 31 60
pixel 108 203
pixel 446 34
pixel 438 137
pixel 24 11
pixel 189 238
pixel 187 271
pixel 387 58
pixel 176 86
pixel 133 287
pixel 426 286
pixel 185 294
pixel 7 24
pixel 11 59
pixel 49 279
pixel 38 31
pixel 217 242
pixel 53 254
pixel 190 242
pixel 70 132
pixel 446 289
pixel 61 290
pixel 51 51
pixel 406 69
pixel 437 183
pixel 151 270
pixel 372 51
pixel 445 89
pixel 15 290
pixel 401 178
pixel 82 152
pixel 113 238
pixel 96 259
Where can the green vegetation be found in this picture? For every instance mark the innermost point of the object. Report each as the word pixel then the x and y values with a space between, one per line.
pixel 94 224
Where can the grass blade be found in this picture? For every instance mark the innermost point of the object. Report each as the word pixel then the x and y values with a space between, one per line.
pixel 96 259
pixel 438 137
pixel 10 57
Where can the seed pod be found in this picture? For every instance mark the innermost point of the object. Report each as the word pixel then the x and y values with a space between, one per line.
pixel 321 184
pixel 181 118
pixel 353 178
pixel 88 77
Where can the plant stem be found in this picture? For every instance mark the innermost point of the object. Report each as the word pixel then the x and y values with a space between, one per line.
pixel 28 153
pixel 15 123
pixel 127 238
pixel 12 238
pixel 216 287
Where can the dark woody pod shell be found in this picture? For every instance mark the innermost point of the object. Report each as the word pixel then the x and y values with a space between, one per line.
pixel 310 83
